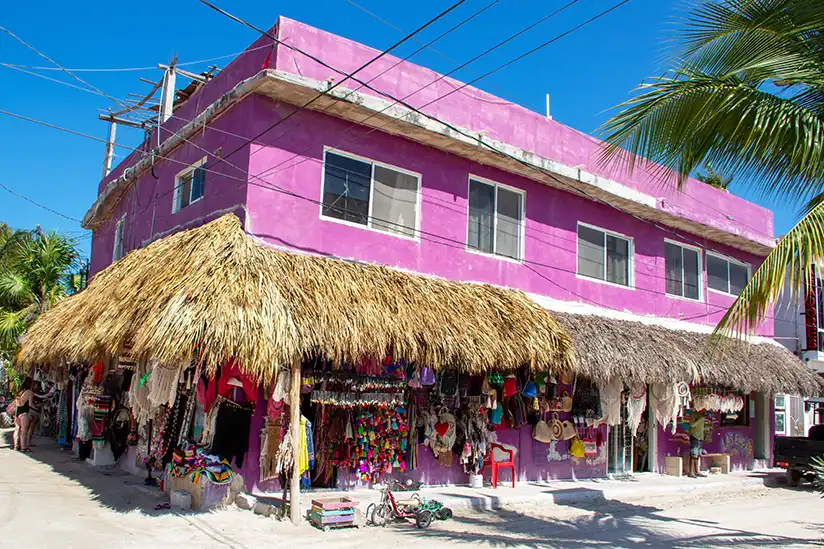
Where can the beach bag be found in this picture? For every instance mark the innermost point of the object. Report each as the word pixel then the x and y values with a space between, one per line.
pixel 556 427
pixel 590 448
pixel 576 448
pixel 449 383
pixel 529 390
pixel 496 379
pixel 497 415
pixel 542 432
pixel 427 376
pixel 568 430
pixel 510 387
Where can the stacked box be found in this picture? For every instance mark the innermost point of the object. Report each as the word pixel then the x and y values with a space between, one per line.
pixel 329 513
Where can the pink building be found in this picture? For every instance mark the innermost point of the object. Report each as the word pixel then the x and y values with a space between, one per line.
pixel 453 182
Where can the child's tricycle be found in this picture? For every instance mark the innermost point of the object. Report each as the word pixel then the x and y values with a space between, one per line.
pixel 391 509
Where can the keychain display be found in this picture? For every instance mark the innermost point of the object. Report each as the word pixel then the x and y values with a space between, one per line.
pixel 378 445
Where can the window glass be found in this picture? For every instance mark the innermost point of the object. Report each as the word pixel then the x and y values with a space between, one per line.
pixel 739 276
pixel 394 201
pixel 590 252
pixel 780 423
pixel 692 273
pixel 481 213
pixel 717 276
pixel 674 269
pixel 184 190
pixel 617 260
pixel 346 188
pixel 508 226
pixel 198 183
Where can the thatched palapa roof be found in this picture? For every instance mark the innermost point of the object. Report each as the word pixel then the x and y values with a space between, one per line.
pixel 635 351
pixel 213 292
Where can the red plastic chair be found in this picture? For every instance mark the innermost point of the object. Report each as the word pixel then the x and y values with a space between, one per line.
pixel 496 463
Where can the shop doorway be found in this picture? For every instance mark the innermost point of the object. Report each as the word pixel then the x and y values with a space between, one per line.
pixel 620 444
pixel 641 443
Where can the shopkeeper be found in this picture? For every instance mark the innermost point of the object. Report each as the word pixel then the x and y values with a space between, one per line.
pixel 696 436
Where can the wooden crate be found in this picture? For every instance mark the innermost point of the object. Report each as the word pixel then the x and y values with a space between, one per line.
pixel 332 504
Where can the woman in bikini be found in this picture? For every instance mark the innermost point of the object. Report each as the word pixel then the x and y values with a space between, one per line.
pixel 22 416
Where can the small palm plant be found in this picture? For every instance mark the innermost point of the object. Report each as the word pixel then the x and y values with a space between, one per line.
pixel 818 470
pixel 744 95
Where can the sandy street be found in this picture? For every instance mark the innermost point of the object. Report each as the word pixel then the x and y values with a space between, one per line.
pixel 47 499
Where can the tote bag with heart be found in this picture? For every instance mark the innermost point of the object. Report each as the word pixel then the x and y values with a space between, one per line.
pixel 542 432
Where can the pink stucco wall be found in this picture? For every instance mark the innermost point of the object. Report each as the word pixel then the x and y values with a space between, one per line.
pixel 294 165
pixel 477 110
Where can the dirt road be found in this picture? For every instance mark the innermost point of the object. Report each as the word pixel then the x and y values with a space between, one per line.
pixel 47 499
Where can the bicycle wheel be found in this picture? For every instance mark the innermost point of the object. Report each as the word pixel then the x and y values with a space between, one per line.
pixel 423 519
pixel 381 514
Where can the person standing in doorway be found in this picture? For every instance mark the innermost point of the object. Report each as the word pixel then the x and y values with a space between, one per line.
pixel 696 438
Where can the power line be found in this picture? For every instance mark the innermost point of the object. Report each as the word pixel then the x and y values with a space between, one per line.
pixel 56 64
pixel 135 69
pixel 438 79
pixel 444 56
pixel 38 204
pixel 354 90
pixel 339 82
pixel 423 235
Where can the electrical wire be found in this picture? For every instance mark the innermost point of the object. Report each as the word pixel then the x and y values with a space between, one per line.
pixel 56 64
pixel 428 236
pixel 134 69
pixel 39 205
pixel 346 76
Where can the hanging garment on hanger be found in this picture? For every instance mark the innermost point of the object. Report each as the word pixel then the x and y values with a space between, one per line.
pixel 232 377
pixel 636 405
pixel 610 394
pixel 665 403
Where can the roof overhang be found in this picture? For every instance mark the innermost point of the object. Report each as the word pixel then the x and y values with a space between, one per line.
pixel 393 118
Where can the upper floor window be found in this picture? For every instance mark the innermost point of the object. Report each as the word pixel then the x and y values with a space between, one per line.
pixel 604 255
pixel 683 270
pixel 496 219
pixel 189 185
pixel 726 275
pixel 371 194
pixel 117 253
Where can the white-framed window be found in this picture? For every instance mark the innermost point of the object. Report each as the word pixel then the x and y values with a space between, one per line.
pixel 369 193
pixel 190 185
pixel 683 270
pixel 495 220
pixel 781 415
pixel 604 255
pixel 117 252
pixel 726 275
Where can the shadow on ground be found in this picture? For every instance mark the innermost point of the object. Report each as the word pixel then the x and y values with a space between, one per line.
pixel 608 523
pixel 110 487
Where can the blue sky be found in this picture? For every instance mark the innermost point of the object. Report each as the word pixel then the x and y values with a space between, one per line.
pixel 586 72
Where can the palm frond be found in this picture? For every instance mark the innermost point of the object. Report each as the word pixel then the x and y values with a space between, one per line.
pixel 694 118
pixel 788 265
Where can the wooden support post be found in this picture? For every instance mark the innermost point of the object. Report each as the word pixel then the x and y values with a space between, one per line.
pixel 107 159
pixel 294 435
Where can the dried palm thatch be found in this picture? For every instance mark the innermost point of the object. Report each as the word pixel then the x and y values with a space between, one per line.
pixel 634 351
pixel 213 292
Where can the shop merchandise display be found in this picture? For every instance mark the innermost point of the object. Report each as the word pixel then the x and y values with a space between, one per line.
pixel 195 463
pixel 378 443
pixel 636 405
pixel 716 400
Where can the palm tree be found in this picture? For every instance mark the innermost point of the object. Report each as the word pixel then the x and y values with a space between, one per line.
pixel 713 178
pixel 33 277
pixel 746 96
